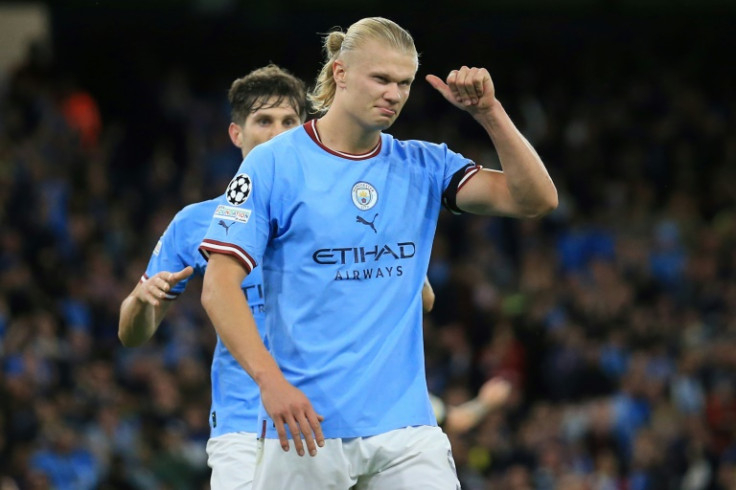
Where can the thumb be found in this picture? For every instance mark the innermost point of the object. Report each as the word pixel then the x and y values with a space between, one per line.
pixel 437 83
pixel 182 274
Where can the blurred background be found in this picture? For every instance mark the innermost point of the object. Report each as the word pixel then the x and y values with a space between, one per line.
pixel 615 316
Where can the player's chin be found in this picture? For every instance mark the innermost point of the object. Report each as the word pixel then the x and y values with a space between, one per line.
pixel 385 122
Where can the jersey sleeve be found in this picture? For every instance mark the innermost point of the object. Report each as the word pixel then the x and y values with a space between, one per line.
pixel 170 255
pixel 240 224
pixel 457 181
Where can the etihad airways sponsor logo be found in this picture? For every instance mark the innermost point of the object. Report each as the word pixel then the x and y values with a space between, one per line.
pixel 360 255
pixel 369 273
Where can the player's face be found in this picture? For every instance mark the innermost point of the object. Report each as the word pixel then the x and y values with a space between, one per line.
pixel 376 80
pixel 263 124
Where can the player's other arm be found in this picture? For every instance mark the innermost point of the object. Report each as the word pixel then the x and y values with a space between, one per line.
pixel 524 187
pixel 142 311
pixel 427 296
pixel 493 394
pixel 229 312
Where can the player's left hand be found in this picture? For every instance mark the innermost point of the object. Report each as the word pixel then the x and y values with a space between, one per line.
pixel 469 89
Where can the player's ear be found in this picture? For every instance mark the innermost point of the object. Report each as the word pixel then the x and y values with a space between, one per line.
pixel 338 73
pixel 236 134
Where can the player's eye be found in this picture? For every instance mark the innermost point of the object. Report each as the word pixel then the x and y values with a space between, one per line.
pixel 264 121
pixel 289 122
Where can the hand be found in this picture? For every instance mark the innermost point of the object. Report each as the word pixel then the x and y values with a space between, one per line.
pixel 470 89
pixel 495 392
pixel 288 406
pixel 154 289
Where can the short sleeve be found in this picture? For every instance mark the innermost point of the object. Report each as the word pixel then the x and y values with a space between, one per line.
pixel 241 221
pixel 457 181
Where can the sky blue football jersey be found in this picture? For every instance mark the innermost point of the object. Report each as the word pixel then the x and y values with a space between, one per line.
pixel 235 396
pixel 344 243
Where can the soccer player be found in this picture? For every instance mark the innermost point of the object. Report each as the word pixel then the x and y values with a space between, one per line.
pixel 264 103
pixel 341 217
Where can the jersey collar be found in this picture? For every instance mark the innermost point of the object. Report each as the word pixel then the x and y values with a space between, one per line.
pixel 311 128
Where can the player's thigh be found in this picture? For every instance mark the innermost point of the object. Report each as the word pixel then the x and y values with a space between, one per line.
pixel 232 458
pixel 411 458
pixel 277 469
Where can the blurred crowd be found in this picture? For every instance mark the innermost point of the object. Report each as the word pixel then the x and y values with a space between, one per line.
pixel 614 317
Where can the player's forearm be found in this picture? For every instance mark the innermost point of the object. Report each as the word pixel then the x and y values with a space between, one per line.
pixel 527 178
pixel 137 322
pixel 231 316
pixel 466 416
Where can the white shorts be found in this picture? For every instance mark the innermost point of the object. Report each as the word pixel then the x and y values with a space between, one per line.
pixel 403 459
pixel 232 458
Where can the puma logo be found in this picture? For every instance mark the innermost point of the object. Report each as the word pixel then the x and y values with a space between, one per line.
pixel 227 227
pixel 360 219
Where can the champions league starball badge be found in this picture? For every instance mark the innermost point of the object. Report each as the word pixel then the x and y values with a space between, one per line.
pixel 238 190
pixel 365 196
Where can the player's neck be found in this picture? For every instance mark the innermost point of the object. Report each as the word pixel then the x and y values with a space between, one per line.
pixel 345 135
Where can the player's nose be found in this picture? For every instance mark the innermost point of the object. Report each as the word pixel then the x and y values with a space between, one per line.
pixel 278 129
pixel 392 92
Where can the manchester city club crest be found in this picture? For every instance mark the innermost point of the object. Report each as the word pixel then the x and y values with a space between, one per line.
pixel 365 196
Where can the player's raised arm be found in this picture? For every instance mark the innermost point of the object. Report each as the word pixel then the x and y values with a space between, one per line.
pixel 524 188
pixel 143 309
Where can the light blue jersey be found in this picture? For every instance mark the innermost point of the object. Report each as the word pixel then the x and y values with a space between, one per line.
pixel 235 396
pixel 344 242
